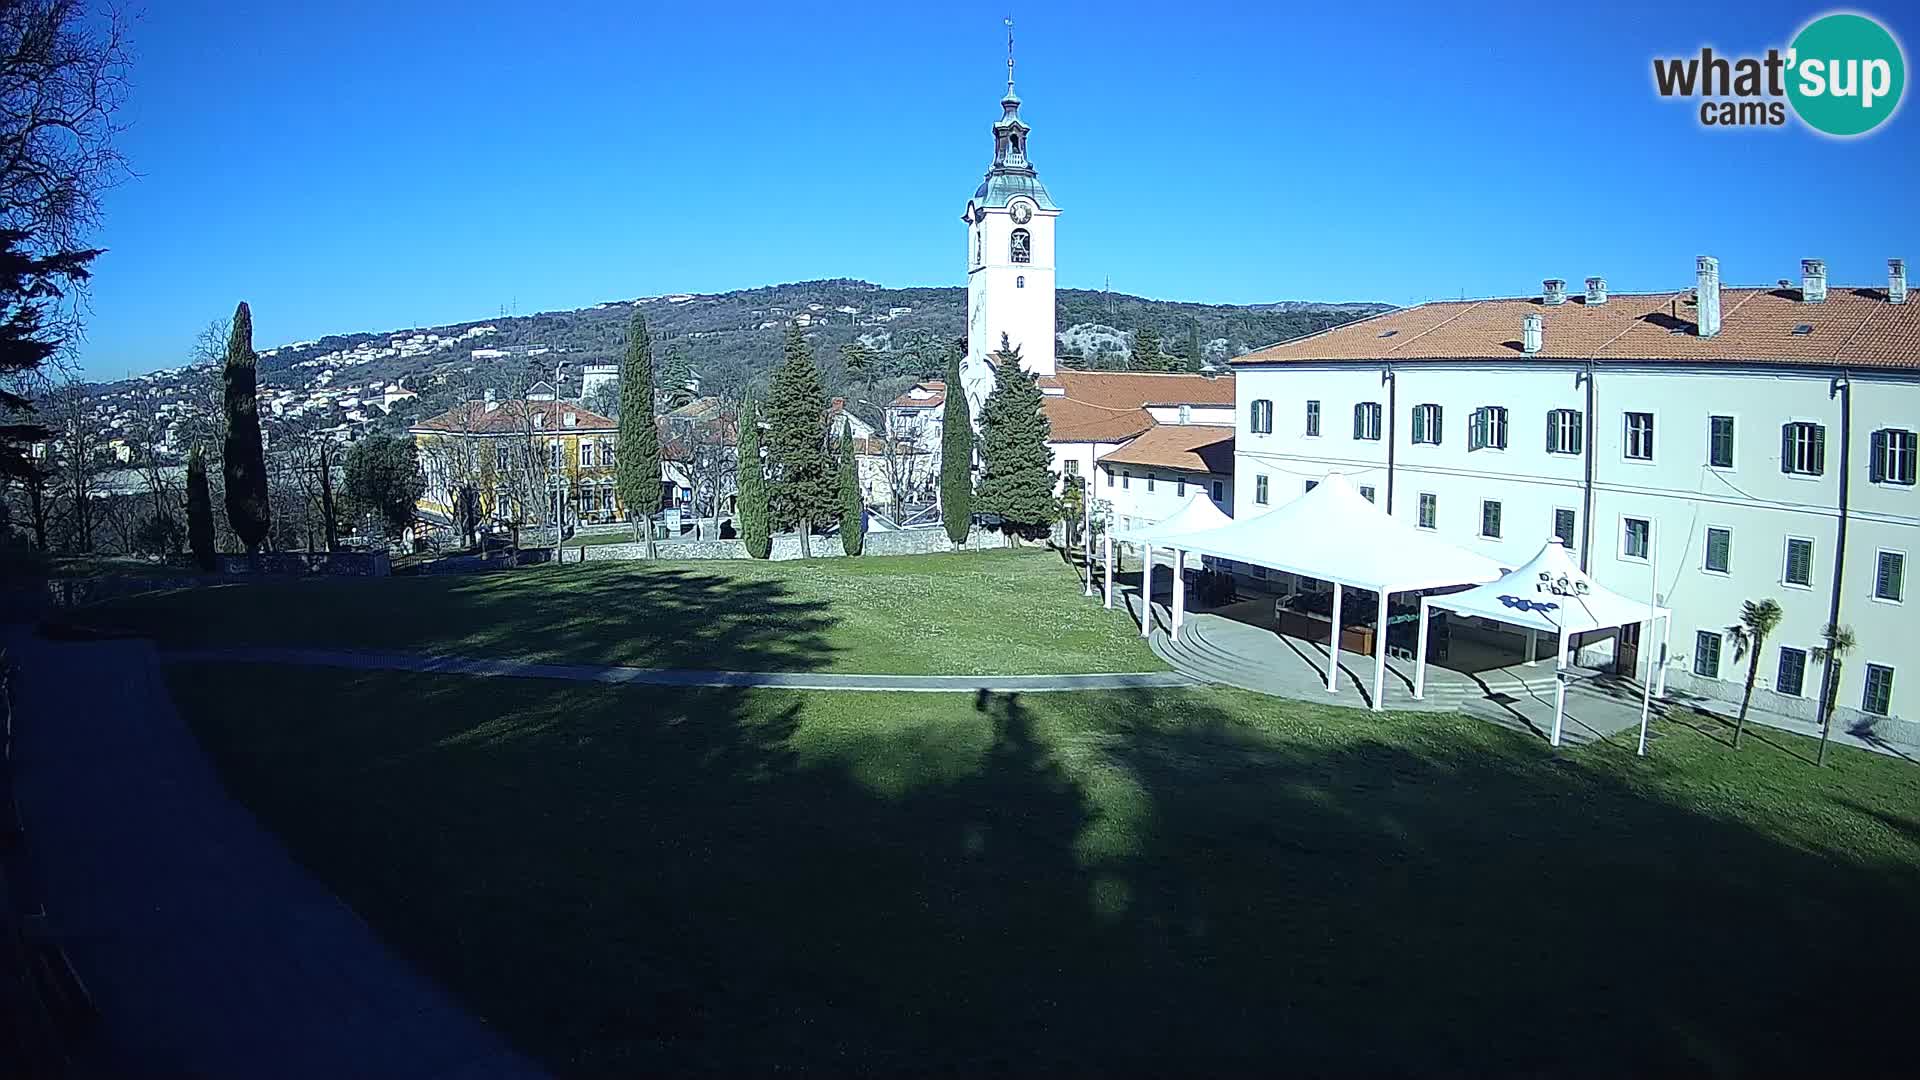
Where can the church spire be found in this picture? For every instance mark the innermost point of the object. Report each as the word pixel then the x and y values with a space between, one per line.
pixel 1010 132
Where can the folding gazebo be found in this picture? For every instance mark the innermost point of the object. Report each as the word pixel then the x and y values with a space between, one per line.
pixel 1334 534
pixel 1549 595
pixel 1198 512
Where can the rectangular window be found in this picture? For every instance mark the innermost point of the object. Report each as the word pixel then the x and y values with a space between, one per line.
pixel 1150 479
pixel 586 455
pixel 1260 489
pixel 1426 424
pixel 1429 510
pixel 1563 522
pixel 1878 698
pixel 1109 473
pixel 1892 459
pixel 1180 485
pixel 1636 538
pixel 586 500
pixel 1720 442
pixel 502 457
pixel 1262 418
pixel 606 454
pixel 1719 550
pixel 1639 436
pixel 1799 567
pixel 1366 421
pixel 1890 576
pixel 1367 492
pixel 1313 419
pixel 1792 678
pixel 1490 519
pixel 1803 449
pixel 1706 654
pixel 1219 490
pixel 1489 428
pixel 1563 431
pixel 557 451
pixel 1126 478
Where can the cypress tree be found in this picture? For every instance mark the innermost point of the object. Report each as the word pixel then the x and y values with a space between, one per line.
pixel 199 511
pixel 1015 482
pixel 1146 354
pixel 637 469
pixel 956 458
pixel 675 374
pixel 244 461
pixel 853 512
pixel 1196 349
pixel 802 492
pixel 750 492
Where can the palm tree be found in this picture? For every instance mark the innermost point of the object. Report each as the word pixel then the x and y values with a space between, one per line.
pixel 1749 635
pixel 1840 642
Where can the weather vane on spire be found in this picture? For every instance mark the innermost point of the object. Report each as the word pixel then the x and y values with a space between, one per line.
pixel 1009 54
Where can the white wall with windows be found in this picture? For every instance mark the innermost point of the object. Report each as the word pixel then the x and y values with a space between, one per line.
pixel 1698 460
pixel 1144 494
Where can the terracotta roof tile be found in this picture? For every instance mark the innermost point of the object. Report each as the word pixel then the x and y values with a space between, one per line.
pixel 1853 326
pixel 1191 447
pixel 1077 421
pixel 1131 389
pixel 510 417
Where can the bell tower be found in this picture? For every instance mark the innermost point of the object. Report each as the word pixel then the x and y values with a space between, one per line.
pixel 1010 250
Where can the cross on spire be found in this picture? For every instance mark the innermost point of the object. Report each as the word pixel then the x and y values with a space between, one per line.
pixel 1009 56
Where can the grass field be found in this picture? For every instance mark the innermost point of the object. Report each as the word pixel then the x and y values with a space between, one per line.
pixel 1008 613
pixel 630 880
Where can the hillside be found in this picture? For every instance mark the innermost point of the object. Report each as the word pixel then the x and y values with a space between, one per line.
pixel 730 339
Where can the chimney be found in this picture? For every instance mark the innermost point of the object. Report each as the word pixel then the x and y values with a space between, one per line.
pixel 1707 296
pixel 1596 291
pixel 1813 280
pixel 1530 328
pixel 1896 281
pixel 1554 291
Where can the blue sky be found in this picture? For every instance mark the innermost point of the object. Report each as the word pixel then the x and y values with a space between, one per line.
pixel 368 166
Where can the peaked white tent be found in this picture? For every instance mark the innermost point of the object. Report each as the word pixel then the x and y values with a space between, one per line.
pixel 1334 534
pixel 1549 594
pixel 1197 513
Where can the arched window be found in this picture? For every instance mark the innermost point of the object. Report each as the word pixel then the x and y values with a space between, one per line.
pixel 1020 282
pixel 1022 246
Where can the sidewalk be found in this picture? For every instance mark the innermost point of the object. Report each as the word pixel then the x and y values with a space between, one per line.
pixel 618 674
pixel 208 951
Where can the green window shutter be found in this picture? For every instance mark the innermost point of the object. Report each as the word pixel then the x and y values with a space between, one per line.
pixel 1819 450
pixel 1356 420
pixel 1877 459
pixel 1786 448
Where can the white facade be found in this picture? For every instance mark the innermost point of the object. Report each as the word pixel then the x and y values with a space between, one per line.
pixel 1721 531
pixel 1008 296
pixel 1148 494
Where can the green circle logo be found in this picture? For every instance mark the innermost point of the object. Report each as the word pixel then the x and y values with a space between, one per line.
pixel 1846 73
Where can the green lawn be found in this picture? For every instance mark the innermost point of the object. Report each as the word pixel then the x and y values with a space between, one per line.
pixel 1008 613
pixel 628 880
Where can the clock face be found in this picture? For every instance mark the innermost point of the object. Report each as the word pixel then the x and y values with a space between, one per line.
pixel 1022 213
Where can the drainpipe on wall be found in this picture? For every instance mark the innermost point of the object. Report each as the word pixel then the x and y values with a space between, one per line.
pixel 1588 437
pixel 1393 413
pixel 1842 387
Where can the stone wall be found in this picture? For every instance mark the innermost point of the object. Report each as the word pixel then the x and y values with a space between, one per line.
pixel 300 563
pixel 787 546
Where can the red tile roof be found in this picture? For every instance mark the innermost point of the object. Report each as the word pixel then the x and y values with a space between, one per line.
pixel 933 400
pixel 1853 326
pixel 1188 447
pixel 1077 421
pixel 510 417
pixel 1133 389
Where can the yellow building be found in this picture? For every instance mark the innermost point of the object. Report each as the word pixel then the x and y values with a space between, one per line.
pixel 518 457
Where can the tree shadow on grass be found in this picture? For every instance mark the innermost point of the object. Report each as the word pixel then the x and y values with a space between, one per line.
pixel 737 881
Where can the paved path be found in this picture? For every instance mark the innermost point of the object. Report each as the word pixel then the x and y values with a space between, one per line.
pixel 208 950
pixel 617 674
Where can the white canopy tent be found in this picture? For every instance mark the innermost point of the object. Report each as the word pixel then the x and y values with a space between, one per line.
pixel 1549 594
pixel 1198 512
pixel 1334 534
